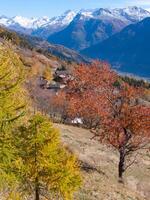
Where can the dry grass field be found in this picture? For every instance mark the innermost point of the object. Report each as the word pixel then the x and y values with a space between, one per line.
pixel 100 169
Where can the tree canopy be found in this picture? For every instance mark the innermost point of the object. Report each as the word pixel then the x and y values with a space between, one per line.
pixel 11 100
pixel 109 107
pixel 43 165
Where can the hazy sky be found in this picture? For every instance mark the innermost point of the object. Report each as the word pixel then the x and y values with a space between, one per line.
pixel 37 8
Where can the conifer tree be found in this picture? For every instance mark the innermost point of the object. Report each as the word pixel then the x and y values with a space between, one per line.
pixel 43 166
pixel 11 108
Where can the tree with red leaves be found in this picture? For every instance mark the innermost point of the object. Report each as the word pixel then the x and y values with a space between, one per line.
pixel 125 124
pixel 83 92
pixel 110 110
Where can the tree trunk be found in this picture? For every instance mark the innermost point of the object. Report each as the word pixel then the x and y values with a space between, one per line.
pixel 121 166
pixel 37 195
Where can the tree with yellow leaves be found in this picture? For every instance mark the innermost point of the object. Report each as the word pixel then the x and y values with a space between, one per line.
pixel 43 166
pixel 47 74
pixel 11 108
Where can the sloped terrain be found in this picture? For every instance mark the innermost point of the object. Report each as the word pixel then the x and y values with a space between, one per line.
pixel 128 51
pixel 89 27
pixel 99 164
pixel 33 43
pixel 81 33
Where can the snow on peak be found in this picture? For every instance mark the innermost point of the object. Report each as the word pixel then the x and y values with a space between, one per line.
pixel 29 23
pixel 135 12
pixel 40 22
pixel 86 13
pixel 102 12
pixel 23 21
pixel 64 19
pixel 130 14
pixel 5 21
pixel 68 17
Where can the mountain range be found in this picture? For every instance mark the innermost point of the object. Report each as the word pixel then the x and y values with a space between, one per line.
pixel 93 26
pixel 101 23
pixel 120 36
pixel 38 45
pixel 40 27
pixel 128 50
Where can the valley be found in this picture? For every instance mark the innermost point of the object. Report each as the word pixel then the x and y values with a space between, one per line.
pixel 75 105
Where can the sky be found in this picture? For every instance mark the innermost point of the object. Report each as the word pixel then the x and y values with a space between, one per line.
pixel 51 8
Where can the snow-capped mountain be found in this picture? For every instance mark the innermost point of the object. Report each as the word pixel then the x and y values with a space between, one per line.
pixel 55 24
pixel 24 22
pixel 90 27
pixel 17 20
pixel 130 14
pixel 36 23
pixel 64 19
pixel 5 20
pixel 44 27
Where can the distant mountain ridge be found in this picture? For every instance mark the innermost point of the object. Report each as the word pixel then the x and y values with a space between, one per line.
pixel 90 27
pixel 29 25
pixel 127 51
pixel 33 43
pixel 44 27
pixel 116 35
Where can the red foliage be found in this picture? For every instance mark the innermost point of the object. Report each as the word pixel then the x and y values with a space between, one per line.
pixel 112 111
pixel 126 123
pixel 83 92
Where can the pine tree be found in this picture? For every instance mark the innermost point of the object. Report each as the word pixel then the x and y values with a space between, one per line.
pixel 11 93
pixel 11 108
pixel 43 166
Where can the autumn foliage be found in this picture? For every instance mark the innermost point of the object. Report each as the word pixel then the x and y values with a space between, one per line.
pixel 126 124
pixel 110 108
pixel 83 92
pixel 43 166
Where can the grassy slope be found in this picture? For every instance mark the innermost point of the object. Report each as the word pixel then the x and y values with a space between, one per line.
pixel 100 183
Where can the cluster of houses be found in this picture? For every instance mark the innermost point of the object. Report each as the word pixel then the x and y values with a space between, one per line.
pixel 59 81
